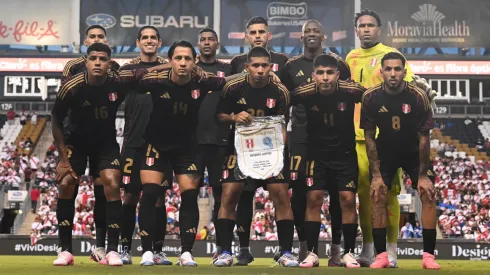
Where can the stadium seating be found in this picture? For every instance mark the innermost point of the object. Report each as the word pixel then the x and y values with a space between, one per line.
pixel 10 132
pixel 31 131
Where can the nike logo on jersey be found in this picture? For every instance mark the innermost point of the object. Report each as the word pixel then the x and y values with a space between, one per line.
pixel 166 95
pixel 300 73
pixel 242 101
pixel 86 103
pixel 383 110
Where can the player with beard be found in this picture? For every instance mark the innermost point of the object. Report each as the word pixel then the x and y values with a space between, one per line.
pixel 297 71
pixel 257 35
pixel 254 94
pixel 212 136
pixel 402 113
pixel 93 34
pixel 137 113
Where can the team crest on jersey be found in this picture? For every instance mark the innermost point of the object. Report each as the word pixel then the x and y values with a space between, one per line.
pixel 224 175
pixel 113 96
pixel 309 182
pixel 275 67
pixel 294 175
pixel 406 108
pixel 271 103
pixel 150 161
pixel 341 106
pixel 220 74
pixel 249 143
pixel 195 94
pixel 126 179
pixel 373 62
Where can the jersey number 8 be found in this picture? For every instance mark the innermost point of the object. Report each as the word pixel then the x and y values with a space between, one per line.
pixel 395 123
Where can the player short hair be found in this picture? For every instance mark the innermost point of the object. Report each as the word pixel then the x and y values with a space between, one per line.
pixel 312 21
pixel 184 44
pixel 367 12
pixel 257 20
pixel 258 52
pixel 148 27
pixel 393 56
pixel 208 30
pixel 325 60
pixel 99 47
pixel 95 27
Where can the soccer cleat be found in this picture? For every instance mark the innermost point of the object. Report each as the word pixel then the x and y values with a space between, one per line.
pixel 381 261
pixel 224 259
pixel 127 257
pixel 429 262
pixel 64 258
pixel 114 259
pixel 335 262
pixel 244 258
pixel 364 261
pixel 186 259
pixel 310 261
pixel 277 255
pixel 350 261
pixel 288 260
pixel 147 259
pixel 160 258
pixel 98 255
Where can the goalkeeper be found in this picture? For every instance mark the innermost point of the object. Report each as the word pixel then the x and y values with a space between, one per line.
pixel 365 65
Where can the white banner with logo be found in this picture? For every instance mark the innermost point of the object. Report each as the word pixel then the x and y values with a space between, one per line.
pixel 260 147
pixel 16 195
pixel 28 22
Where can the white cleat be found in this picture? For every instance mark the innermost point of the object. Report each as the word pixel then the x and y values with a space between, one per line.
pixel 65 258
pixel 223 260
pixel 310 261
pixel 186 259
pixel 350 261
pixel 147 259
pixel 114 259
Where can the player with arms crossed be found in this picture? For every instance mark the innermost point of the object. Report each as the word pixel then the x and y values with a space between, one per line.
pixel 297 71
pixel 212 136
pixel 93 34
pixel 254 94
pixel 138 108
pixel 331 157
pixel 402 113
pixel 90 102
pixel 365 68
pixel 257 35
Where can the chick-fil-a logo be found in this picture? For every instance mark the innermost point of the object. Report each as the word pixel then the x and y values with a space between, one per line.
pixel 24 29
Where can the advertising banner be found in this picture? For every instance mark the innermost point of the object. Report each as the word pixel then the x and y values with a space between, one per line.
pixel 407 249
pixel 285 19
pixel 27 22
pixel 433 23
pixel 175 19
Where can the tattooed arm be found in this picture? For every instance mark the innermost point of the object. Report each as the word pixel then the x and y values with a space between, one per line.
pixel 372 152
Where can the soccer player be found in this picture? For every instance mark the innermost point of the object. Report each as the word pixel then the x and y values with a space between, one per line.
pixel 402 113
pixel 212 136
pixel 137 113
pixel 331 164
pixel 254 94
pixel 297 71
pixel 91 106
pixel 93 34
pixel 171 138
pixel 257 35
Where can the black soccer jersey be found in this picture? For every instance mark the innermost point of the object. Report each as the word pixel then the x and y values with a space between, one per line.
pixel 138 107
pixel 209 130
pixel 297 72
pixel 330 117
pixel 174 117
pixel 399 117
pixel 77 65
pixel 278 60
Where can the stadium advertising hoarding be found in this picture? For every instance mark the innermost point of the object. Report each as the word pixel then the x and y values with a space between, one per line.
pixel 433 23
pixel 175 19
pixel 446 249
pixel 44 22
pixel 285 19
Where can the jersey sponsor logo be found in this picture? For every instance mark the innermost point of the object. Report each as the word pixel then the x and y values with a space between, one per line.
pixel 373 62
pixel 165 183
pixel 220 74
pixel 224 175
pixel 275 67
pixel 195 94
pixel 242 101
pixel 115 162
pixel 86 103
pixel 113 96
pixel 126 179
pixel 166 95
pixel 309 182
pixel 193 167
pixel 249 143
pixel 294 175
pixel 314 108
pixel 271 103
pixel 351 184
pixel 150 161
pixel 341 106
pixel 383 110
pixel 300 73
pixel 406 108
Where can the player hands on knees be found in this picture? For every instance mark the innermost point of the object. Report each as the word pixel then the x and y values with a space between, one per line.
pixel 403 142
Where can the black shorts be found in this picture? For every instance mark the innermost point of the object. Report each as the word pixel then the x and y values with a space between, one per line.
pixel 410 163
pixel 183 160
pixel 297 162
pixel 334 175
pixel 101 156
pixel 211 157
